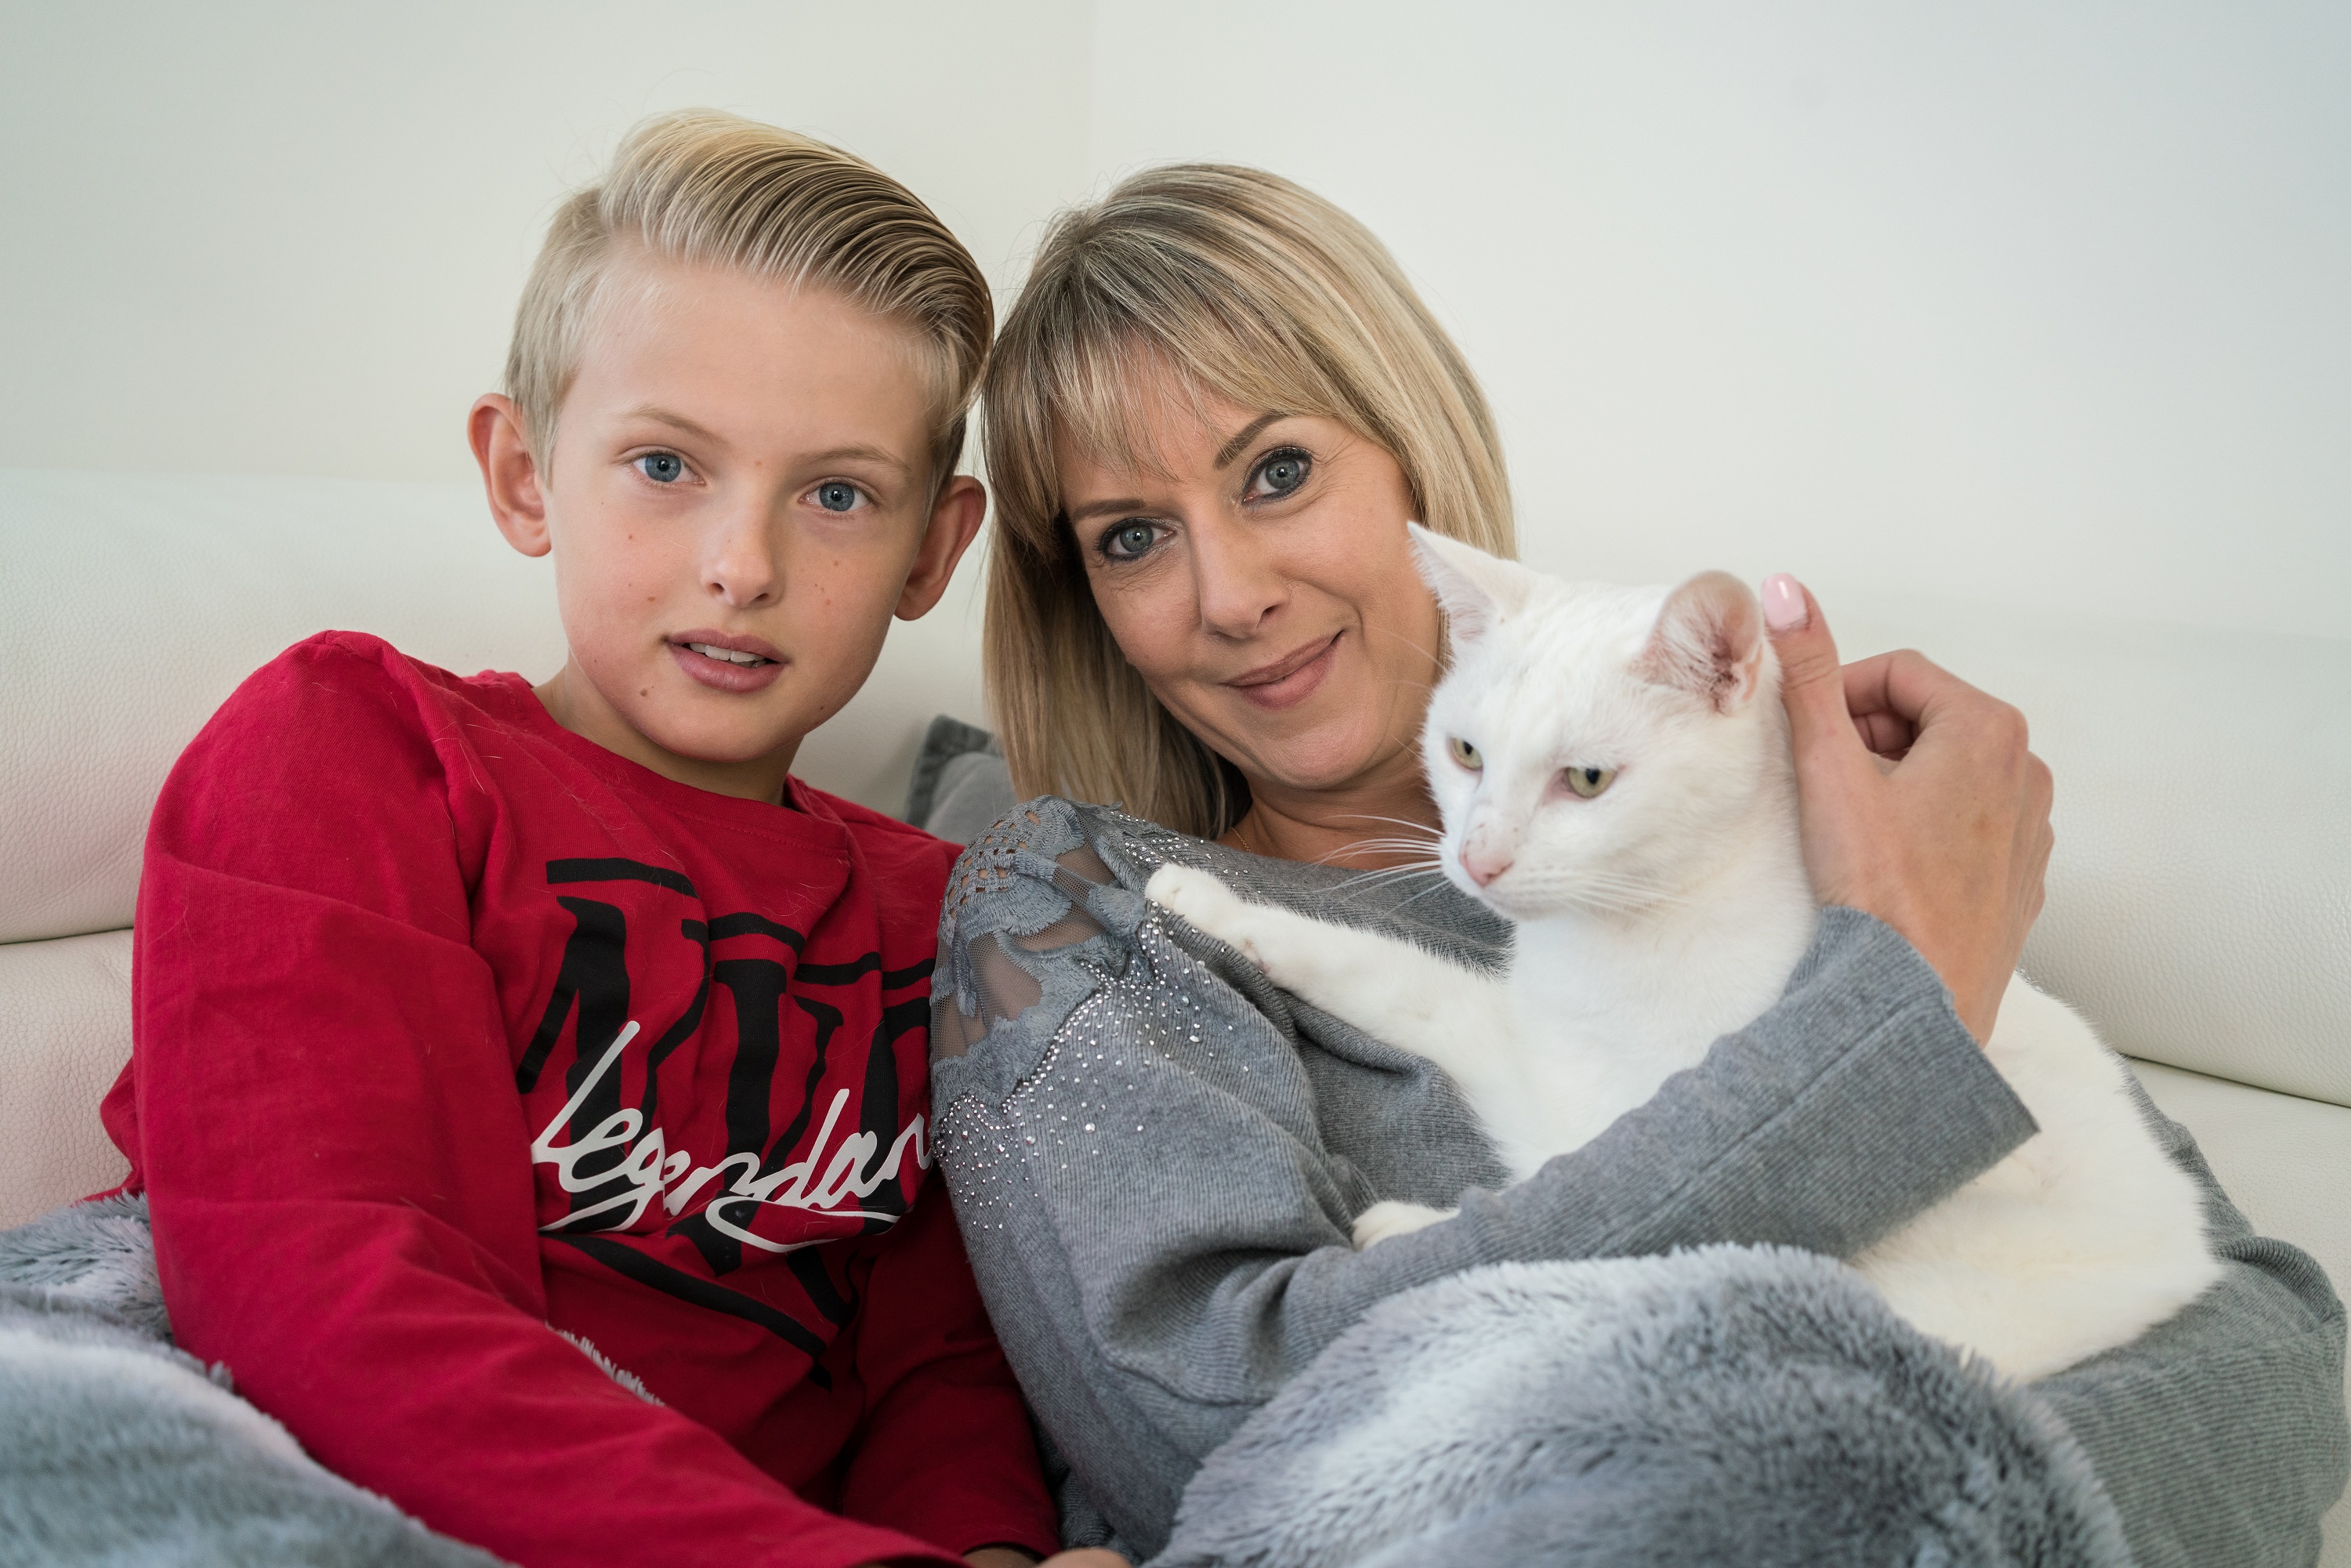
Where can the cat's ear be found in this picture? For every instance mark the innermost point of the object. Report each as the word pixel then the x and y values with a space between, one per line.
pixel 1477 591
pixel 1709 640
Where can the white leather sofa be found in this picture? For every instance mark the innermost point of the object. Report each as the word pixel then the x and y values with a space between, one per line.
pixel 2199 903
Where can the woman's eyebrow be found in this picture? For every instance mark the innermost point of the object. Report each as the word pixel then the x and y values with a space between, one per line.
pixel 1098 508
pixel 1232 449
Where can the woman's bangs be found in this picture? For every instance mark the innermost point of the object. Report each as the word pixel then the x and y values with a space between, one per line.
pixel 1117 390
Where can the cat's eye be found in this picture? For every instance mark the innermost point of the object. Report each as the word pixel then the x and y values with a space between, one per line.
pixel 1466 754
pixel 1587 782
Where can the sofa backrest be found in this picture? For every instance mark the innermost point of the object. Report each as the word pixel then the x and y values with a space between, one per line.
pixel 132 605
pixel 2199 894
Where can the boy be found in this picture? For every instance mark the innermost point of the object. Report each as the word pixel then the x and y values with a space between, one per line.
pixel 531 1084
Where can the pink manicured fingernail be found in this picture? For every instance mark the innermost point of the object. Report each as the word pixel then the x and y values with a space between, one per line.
pixel 1784 603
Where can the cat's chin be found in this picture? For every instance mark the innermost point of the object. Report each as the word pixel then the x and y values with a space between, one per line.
pixel 1527 910
pixel 1518 911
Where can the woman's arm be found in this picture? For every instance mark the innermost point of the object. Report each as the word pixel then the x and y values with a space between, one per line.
pixel 1142 1147
pixel 2219 1434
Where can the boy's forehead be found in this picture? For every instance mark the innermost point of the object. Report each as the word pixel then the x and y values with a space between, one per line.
pixel 724 353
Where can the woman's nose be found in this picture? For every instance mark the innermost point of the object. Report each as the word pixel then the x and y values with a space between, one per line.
pixel 1238 583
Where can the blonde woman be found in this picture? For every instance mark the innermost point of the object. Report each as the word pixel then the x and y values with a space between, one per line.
pixel 1209 415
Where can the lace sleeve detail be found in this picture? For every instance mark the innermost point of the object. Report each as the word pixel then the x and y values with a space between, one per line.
pixel 1022 886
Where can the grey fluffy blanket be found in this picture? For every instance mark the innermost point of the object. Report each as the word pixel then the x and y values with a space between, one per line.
pixel 1750 1406
pixel 117 1448
pixel 1758 1406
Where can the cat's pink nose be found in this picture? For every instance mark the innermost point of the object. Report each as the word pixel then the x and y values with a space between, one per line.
pixel 1484 865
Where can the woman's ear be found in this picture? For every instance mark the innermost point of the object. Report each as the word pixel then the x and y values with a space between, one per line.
pixel 955 522
pixel 1477 591
pixel 509 474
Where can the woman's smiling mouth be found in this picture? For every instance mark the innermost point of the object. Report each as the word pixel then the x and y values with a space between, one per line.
pixel 1289 680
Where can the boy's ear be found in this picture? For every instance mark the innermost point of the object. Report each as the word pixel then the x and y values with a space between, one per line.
pixel 955 516
pixel 509 472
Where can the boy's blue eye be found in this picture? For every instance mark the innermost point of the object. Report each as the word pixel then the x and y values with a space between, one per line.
pixel 662 468
pixel 837 497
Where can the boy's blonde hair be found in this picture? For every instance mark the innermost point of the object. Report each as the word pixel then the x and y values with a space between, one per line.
pixel 710 188
pixel 1240 286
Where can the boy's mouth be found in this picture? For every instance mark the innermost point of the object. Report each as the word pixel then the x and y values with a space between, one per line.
pixel 729 662
pixel 712 651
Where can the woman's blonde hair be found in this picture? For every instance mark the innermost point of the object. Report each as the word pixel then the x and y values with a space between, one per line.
pixel 711 189
pixel 1240 285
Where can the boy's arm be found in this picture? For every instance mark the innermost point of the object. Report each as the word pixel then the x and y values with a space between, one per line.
pixel 337 1159
pixel 946 1451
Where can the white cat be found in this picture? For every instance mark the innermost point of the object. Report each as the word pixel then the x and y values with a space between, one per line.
pixel 1612 765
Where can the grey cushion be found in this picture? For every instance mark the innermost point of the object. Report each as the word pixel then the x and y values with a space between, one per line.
pixel 961 782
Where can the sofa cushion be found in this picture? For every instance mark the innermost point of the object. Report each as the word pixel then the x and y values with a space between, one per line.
pixel 65 1033
pixel 2197 907
pixel 961 782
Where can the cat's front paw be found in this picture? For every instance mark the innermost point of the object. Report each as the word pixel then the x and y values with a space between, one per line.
pixel 1211 906
pixel 1389 1218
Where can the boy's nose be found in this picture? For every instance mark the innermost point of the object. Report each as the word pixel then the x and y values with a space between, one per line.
pixel 740 568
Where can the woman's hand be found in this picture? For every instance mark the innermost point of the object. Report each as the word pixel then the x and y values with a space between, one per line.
pixel 1918 799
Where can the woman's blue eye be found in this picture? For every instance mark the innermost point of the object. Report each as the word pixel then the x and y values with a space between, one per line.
pixel 662 468
pixel 837 497
pixel 1285 471
pixel 1129 540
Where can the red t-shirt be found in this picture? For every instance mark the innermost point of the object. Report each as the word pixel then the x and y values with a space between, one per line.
pixel 455 1030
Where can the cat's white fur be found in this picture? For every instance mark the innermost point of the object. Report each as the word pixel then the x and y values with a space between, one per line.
pixel 1667 910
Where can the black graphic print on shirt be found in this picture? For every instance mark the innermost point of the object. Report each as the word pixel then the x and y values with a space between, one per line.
pixel 724 1100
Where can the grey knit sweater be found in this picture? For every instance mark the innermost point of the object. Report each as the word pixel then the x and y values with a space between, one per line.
pixel 1156 1156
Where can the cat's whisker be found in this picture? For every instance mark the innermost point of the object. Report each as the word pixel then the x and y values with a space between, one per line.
pixel 1404 868
pixel 1433 833
pixel 1413 847
pixel 1391 874
pixel 1359 895
pixel 1436 886
pixel 1417 646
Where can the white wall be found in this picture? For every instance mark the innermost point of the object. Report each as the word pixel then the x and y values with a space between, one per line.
pixel 263 237
pixel 266 237
pixel 2043 304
